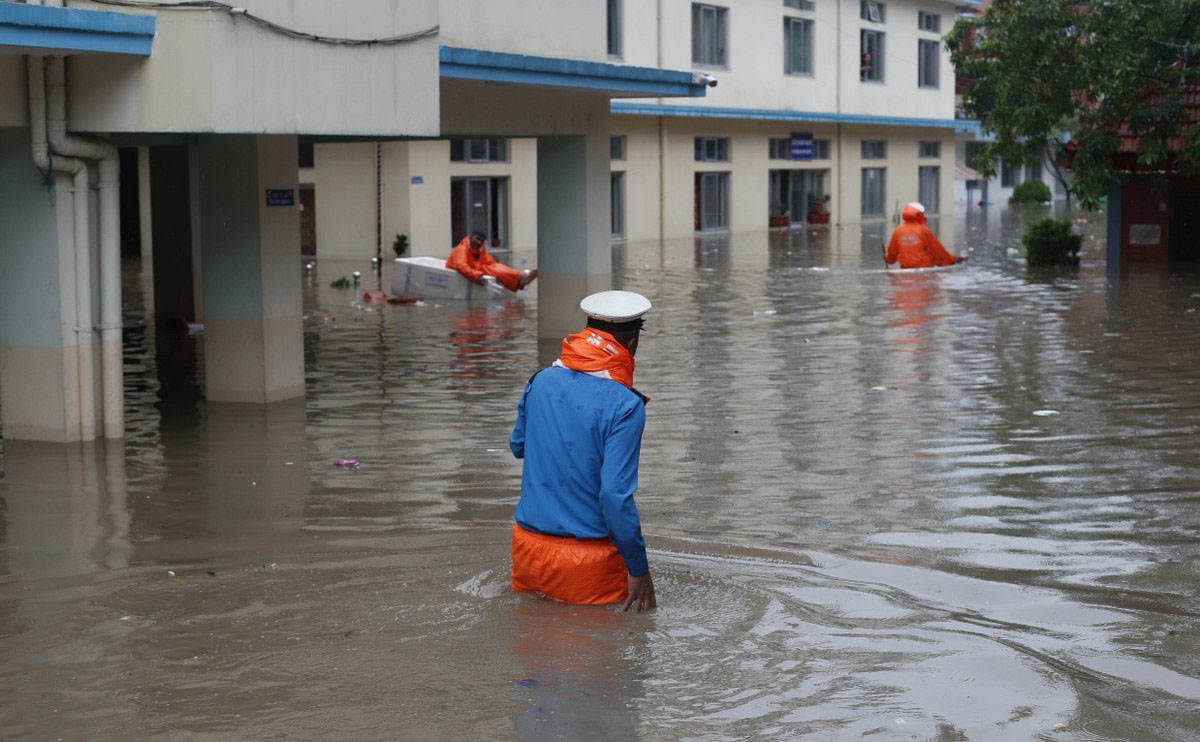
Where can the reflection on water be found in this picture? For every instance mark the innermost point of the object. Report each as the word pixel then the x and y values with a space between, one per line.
pixel 953 504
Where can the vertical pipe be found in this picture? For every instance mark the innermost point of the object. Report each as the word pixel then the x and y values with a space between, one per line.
pixel 112 376
pixel 83 305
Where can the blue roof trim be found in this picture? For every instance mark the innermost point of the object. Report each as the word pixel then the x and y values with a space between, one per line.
pixel 56 30
pixel 475 64
pixel 655 109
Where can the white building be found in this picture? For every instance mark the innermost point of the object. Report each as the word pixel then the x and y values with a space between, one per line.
pixel 206 106
pixel 796 114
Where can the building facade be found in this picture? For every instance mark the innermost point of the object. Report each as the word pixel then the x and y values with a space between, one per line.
pixel 817 111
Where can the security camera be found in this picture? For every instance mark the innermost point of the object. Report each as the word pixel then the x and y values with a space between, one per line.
pixel 703 78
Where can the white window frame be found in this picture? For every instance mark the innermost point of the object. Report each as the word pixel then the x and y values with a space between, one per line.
pixel 873 11
pixel 709 149
pixel 878 44
pixel 870 209
pixel 929 55
pixel 617 192
pixel 874 149
pixel 705 16
pixel 616 36
pixel 616 147
pixel 722 179
pixel 471 147
pixel 779 148
pixel 804 27
pixel 820 149
pixel 928 188
pixel 931 22
pixel 929 149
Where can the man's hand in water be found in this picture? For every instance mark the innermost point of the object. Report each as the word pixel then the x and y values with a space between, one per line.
pixel 641 594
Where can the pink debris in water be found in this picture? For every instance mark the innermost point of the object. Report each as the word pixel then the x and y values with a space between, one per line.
pixel 346 463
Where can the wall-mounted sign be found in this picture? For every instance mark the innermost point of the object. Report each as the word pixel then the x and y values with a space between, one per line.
pixel 281 197
pixel 802 146
pixel 1145 234
pixel 417 180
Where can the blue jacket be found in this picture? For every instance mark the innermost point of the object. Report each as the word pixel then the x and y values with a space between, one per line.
pixel 580 437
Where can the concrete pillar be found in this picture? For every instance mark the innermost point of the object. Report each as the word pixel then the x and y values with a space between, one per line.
pixel 145 217
pixel 250 252
pixel 574 245
pixel 1114 225
pixel 39 381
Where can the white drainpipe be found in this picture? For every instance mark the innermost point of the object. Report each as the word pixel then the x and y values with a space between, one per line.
pixel 90 148
pixel 83 390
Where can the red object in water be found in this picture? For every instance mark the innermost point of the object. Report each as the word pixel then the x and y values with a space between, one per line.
pixel 404 300
pixel 818 217
pixel 374 296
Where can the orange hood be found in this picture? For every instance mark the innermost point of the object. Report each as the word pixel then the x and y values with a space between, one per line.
pixel 913 215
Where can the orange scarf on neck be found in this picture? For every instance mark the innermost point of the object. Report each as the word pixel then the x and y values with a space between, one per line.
pixel 597 353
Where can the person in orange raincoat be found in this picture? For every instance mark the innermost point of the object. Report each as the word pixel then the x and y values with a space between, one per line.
pixel 914 245
pixel 470 258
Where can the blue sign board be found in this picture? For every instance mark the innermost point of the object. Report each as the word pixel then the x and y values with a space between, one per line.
pixel 802 147
pixel 281 197
pixel 417 180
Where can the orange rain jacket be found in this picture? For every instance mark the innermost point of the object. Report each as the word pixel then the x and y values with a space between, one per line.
pixel 474 264
pixel 914 245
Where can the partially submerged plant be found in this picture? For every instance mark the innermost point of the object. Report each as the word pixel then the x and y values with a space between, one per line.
pixel 340 283
pixel 1051 242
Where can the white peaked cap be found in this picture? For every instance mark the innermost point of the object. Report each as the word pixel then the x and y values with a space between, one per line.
pixel 615 306
pixel 918 207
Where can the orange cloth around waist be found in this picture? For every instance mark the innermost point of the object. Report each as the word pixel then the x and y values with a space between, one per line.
pixel 574 570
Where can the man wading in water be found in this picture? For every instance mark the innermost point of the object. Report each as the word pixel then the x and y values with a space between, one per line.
pixel 577 536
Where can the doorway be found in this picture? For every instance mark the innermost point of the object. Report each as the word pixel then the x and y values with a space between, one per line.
pixel 480 205
pixel 1185 225
pixel 308 220
pixel 790 191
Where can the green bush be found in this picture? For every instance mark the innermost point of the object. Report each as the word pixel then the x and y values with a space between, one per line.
pixel 1030 192
pixel 1051 242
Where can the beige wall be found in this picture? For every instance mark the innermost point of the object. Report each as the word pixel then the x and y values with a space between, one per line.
pixel 213 72
pixel 754 76
pixel 545 28
pixel 749 168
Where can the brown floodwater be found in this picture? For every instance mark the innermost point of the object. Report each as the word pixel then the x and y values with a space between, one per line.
pixel 945 505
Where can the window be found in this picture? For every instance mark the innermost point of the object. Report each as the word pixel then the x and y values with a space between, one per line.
pixel 712 149
pixel 872 11
pixel 928 188
pixel 780 149
pixel 873 180
pixel 800 4
pixel 929 21
pixel 708 35
pixel 305 154
pixel 871 47
pixel 820 149
pixel 617 189
pixel 929 149
pixel 712 201
pixel 928 53
pixel 874 149
pixel 614 28
pixel 797 45
pixel 1010 175
pixel 616 146
pixel 1034 171
pixel 972 151
pixel 491 149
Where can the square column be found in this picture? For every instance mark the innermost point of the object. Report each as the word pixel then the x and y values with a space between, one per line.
pixel 39 366
pixel 574 244
pixel 250 258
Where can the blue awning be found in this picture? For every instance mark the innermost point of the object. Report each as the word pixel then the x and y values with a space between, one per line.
pixel 654 109
pixel 40 29
pixel 617 79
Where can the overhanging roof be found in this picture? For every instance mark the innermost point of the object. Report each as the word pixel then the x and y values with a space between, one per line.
pixel 617 79
pixel 40 29
pixel 655 109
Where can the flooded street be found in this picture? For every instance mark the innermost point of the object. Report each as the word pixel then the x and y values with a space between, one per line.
pixel 958 504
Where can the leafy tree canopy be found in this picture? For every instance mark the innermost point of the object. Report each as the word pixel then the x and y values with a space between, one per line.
pixel 1045 71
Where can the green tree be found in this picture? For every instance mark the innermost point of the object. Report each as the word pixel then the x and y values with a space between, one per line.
pixel 1045 71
